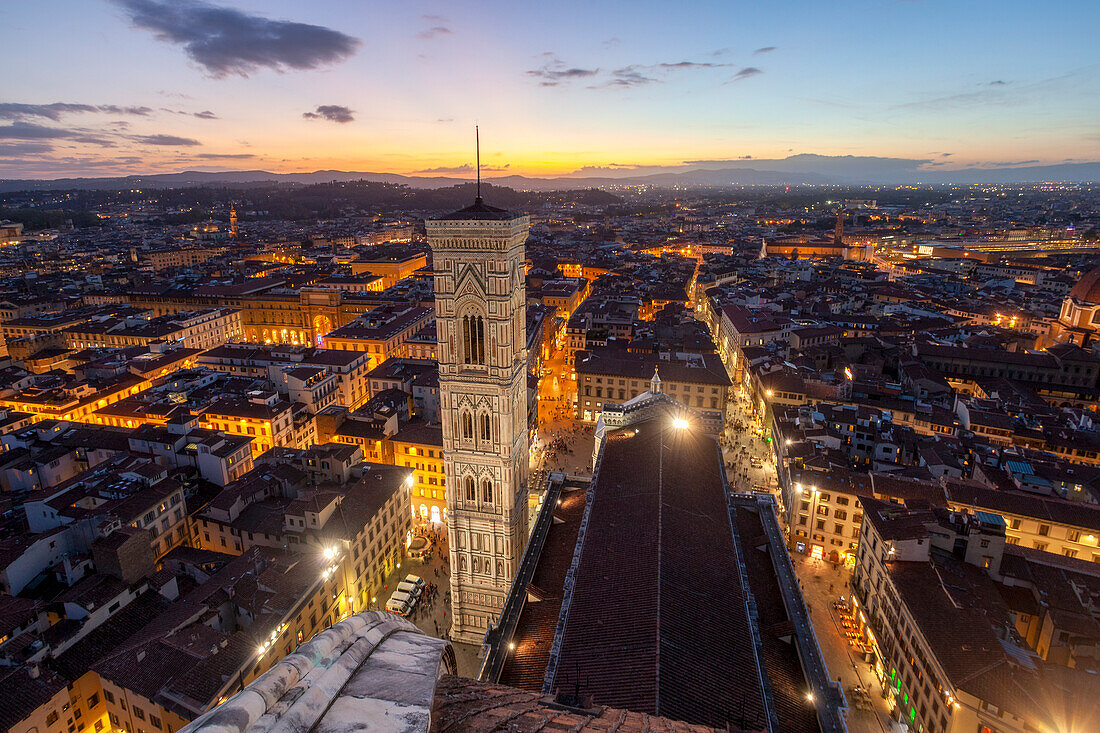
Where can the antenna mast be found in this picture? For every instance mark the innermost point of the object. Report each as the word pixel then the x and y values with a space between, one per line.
pixel 477 148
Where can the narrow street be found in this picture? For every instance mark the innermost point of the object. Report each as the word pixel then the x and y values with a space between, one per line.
pixel 822 584
pixel 743 446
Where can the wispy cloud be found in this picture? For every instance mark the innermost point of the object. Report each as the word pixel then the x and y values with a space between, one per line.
pixel 165 140
pixel 746 73
pixel 20 150
pixel 554 71
pixel 332 113
pixel 226 41
pixel 629 76
pixel 765 49
pixel 203 115
pixel 464 168
pixel 225 156
pixel 434 32
pixel 611 42
pixel 690 65
pixel 55 110
pixel 30 131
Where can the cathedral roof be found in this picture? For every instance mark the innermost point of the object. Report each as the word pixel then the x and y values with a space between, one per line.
pixel 479 211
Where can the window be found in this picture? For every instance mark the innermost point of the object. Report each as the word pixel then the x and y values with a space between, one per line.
pixel 93 700
pixel 139 713
pixel 487 491
pixel 467 426
pixel 486 428
pixel 468 483
pixel 473 339
pixel 51 718
pixel 1044 530
pixel 155 721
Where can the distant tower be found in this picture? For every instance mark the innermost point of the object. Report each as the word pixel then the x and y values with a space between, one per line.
pixel 481 330
pixel 838 236
pixel 234 230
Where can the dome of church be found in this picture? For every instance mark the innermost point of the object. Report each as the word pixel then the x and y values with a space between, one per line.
pixel 1087 289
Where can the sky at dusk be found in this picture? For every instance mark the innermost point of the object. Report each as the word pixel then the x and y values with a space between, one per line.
pixel 109 87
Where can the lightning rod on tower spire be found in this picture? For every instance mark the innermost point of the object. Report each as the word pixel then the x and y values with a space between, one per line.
pixel 477 149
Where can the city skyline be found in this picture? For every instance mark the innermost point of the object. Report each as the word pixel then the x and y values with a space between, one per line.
pixel 143 86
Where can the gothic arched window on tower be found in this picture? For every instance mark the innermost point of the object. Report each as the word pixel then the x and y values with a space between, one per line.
pixel 486 428
pixel 467 425
pixel 487 491
pixel 469 485
pixel 473 339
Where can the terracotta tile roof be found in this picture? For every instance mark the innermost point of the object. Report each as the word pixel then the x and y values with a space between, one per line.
pixel 656 621
pixel 785 677
pixel 526 666
pixel 464 705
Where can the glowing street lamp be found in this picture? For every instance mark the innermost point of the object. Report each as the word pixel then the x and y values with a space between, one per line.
pixel 679 423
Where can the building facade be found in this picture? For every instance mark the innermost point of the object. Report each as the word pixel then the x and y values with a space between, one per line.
pixel 479 291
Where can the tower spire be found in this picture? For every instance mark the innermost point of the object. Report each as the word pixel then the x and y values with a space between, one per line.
pixel 477 149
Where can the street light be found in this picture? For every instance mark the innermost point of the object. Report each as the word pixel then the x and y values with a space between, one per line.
pixel 679 423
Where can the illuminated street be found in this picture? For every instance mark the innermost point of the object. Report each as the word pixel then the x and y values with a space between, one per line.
pixel 822 584
pixel 556 422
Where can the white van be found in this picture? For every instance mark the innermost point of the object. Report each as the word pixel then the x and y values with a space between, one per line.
pixel 415 580
pixel 411 588
pixel 401 595
pixel 398 606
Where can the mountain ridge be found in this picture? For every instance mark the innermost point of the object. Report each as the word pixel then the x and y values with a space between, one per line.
pixel 792 171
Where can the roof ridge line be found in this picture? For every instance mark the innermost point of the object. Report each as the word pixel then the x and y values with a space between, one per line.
pixel 660 527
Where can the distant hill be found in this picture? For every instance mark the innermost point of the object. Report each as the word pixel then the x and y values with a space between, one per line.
pixel 795 170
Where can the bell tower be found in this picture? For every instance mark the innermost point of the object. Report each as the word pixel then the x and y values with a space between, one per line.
pixel 478 255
